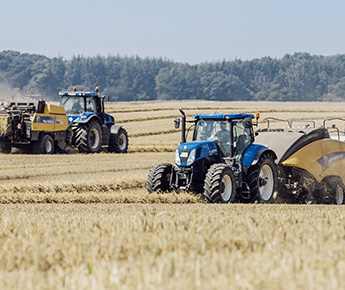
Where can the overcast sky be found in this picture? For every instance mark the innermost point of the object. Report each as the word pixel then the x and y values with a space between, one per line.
pixel 192 31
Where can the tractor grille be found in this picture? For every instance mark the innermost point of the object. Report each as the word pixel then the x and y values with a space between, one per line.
pixel 184 153
pixel 5 125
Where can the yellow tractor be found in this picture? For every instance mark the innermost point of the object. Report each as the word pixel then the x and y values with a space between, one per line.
pixel 33 126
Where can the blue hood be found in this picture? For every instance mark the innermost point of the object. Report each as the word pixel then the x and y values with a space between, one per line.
pixel 79 118
pixel 190 152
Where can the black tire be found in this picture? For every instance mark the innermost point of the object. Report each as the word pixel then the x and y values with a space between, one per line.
pixel 220 184
pixel 262 180
pixel 118 143
pixel 5 148
pixel 44 146
pixel 337 194
pixel 88 137
pixel 159 178
pixel 330 191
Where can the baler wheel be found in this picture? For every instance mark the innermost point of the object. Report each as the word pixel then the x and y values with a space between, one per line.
pixel 159 178
pixel 338 194
pixel 44 146
pixel 330 191
pixel 220 184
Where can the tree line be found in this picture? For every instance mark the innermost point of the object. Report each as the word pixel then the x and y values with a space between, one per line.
pixel 296 77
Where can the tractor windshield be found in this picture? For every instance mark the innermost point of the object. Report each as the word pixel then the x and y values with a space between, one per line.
pixel 214 129
pixel 73 105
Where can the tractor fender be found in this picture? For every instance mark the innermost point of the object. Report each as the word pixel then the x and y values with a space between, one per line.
pixel 115 129
pixel 109 120
pixel 253 154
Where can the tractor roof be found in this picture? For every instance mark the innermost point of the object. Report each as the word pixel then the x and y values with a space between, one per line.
pixel 223 116
pixel 79 94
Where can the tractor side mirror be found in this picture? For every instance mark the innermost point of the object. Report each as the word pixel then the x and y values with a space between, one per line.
pixel 106 98
pixel 177 122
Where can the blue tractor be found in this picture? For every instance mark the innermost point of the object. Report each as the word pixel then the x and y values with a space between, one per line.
pixel 222 161
pixel 91 126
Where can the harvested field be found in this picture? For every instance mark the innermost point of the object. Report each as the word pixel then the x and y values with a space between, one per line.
pixel 85 221
pixel 167 246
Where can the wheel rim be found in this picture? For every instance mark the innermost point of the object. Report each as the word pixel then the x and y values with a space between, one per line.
pixel 49 146
pixel 339 195
pixel 266 182
pixel 122 142
pixel 94 138
pixel 226 188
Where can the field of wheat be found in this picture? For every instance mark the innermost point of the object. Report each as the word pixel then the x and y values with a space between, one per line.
pixel 86 222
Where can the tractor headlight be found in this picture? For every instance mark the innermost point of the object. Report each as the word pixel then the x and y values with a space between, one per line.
pixel 177 158
pixel 191 157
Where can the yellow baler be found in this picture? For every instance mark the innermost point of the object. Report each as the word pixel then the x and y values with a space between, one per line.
pixel 311 165
pixel 321 159
pixel 40 127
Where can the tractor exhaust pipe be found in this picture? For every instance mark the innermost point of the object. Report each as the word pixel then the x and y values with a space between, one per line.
pixel 183 127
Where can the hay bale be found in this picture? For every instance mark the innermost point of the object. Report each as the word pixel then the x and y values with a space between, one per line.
pixel 5 125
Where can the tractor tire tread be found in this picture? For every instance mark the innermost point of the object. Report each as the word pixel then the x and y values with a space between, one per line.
pixel 81 137
pixel 156 176
pixel 252 180
pixel 213 181
pixel 114 145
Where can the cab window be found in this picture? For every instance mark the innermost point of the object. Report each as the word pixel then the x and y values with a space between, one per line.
pixel 242 138
pixel 91 105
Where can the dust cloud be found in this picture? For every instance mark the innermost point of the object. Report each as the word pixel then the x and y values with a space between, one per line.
pixel 7 92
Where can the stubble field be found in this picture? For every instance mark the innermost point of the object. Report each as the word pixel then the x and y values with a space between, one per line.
pixel 86 222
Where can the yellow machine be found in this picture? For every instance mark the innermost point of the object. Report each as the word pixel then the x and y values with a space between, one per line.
pixel 52 119
pixel 40 127
pixel 310 163
pixel 322 158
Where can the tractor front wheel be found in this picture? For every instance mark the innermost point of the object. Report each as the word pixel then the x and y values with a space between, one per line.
pixel 118 142
pixel 88 137
pixel 159 178
pixel 263 180
pixel 220 184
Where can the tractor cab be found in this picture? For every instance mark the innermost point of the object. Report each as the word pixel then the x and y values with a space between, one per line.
pixel 82 105
pixel 76 105
pixel 216 136
pixel 233 133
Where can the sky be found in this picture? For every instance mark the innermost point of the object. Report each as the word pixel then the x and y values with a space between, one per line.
pixel 188 31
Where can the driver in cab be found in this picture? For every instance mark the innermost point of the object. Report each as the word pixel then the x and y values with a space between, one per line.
pixel 223 135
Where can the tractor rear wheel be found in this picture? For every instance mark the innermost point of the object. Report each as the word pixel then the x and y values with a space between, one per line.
pixel 88 137
pixel 118 142
pixel 220 184
pixel 159 178
pixel 5 148
pixel 262 179
pixel 44 146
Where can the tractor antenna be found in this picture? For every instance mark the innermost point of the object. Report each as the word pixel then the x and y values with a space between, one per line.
pixel 220 103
